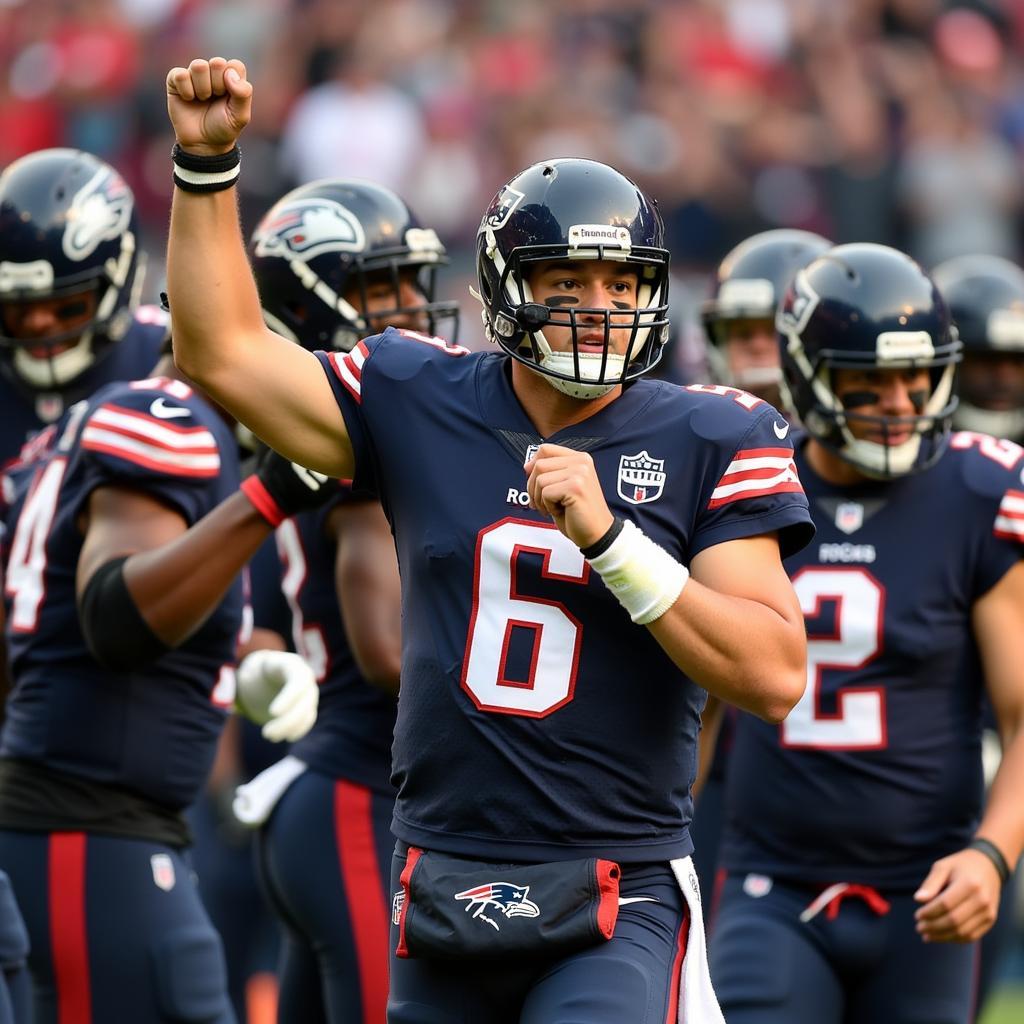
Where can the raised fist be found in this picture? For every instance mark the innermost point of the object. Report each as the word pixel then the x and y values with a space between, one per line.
pixel 209 103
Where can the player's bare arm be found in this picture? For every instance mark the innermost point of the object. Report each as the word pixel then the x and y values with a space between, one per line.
pixel 960 896
pixel 175 576
pixel 736 629
pixel 369 591
pixel 273 386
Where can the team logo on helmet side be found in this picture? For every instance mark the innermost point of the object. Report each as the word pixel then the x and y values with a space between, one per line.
pixel 505 204
pixel 306 228
pixel 641 478
pixel 793 315
pixel 504 897
pixel 100 212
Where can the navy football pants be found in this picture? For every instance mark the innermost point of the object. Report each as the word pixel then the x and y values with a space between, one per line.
pixel 859 968
pixel 631 979
pixel 225 861
pixel 15 994
pixel 117 931
pixel 324 858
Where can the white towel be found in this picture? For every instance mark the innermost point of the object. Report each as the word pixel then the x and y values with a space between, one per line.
pixel 254 800
pixel 697 1001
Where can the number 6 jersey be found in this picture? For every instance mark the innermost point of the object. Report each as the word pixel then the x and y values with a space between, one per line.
pixel 535 720
pixel 876 773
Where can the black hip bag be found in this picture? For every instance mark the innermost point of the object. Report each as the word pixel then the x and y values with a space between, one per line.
pixel 453 908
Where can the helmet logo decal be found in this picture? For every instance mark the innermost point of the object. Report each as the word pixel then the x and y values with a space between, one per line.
pixel 598 234
pixel 504 205
pixel 898 346
pixel 793 320
pixel 36 276
pixel 424 244
pixel 100 212
pixel 641 478
pixel 307 228
pixel 1006 329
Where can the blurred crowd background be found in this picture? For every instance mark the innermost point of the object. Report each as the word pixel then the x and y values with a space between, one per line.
pixel 897 121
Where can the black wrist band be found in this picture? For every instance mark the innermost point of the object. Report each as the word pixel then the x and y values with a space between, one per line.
pixel 599 547
pixel 215 173
pixel 213 164
pixel 994 854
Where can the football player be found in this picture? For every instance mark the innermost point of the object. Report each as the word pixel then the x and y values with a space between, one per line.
pixel 335 261
pixel 582 552
pixel 70 276
pixel 742 350
pixel 985 295
pixel 860 870
pixel 739 317
pixel 124 539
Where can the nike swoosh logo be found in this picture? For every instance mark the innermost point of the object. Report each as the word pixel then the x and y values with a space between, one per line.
pixel 623 900
pixel 780 432
pixel 163 411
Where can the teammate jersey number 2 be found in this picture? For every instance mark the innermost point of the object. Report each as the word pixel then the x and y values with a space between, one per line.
pixel 498 609
pixel 858 722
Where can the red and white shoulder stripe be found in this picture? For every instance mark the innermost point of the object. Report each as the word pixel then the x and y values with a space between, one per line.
pixel 135 437
pixel 754 473
pixel 348 367
pixel 1010 518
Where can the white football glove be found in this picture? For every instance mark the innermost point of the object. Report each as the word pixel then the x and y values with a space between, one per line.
pixel 277 689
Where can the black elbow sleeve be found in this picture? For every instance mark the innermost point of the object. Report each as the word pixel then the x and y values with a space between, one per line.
pixel 117 635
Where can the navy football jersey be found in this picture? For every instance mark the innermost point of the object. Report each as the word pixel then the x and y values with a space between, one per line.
pixel 520 670
pixel 876 773
pixel 355 720
pixel 151 731
pixel 132 358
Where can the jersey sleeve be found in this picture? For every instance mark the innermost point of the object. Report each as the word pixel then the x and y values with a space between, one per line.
pixel 154 441
pixel 754 489
pixel 347 373
pixel 993 471
pixel 371 385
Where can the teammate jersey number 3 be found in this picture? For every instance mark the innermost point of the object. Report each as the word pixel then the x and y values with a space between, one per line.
pixel 498 609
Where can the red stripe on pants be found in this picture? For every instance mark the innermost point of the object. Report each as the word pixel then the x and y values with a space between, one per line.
pixel 677 970
pixel 360 876
pixel 68 941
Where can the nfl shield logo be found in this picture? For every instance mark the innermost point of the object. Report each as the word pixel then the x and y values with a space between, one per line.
pixel 849 516
pixel 531 451
pixel 397 902
pixel 163 871
pixel 641 478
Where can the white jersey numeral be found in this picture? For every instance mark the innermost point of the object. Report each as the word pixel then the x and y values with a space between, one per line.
pixel 27 563
pixel 859 720
pixel 498 609
pixel 308 637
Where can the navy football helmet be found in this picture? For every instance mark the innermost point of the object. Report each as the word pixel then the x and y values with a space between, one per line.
pixel 67 226
pixel 320 240
pixel 867 306
pixel 985 295
pixel 749 284
pixel 570 210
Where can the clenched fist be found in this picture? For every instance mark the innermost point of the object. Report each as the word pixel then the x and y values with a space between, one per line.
pixel 209 103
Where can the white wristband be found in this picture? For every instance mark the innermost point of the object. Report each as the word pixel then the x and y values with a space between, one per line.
pixel 644 577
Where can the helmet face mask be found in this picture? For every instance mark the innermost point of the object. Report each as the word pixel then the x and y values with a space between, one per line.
pixel 869 308
pixel 322 252
pixel 67 228
pixel 573 212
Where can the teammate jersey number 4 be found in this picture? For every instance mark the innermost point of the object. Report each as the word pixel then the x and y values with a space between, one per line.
pixel 859 720
pixel 498 608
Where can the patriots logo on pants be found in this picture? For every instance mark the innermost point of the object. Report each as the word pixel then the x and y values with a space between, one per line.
pixel 506 898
